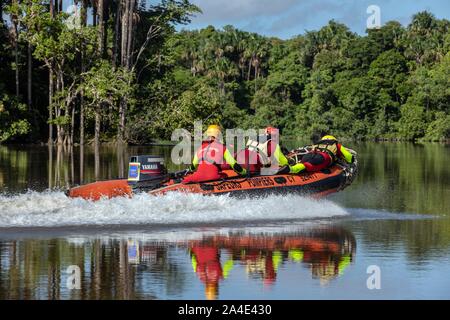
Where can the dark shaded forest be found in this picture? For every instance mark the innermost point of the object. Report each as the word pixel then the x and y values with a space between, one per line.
pixel 119 71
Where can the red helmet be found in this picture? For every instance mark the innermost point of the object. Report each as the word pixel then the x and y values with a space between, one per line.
pixel 271 130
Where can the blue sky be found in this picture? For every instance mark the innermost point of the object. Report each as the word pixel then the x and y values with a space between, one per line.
pixel 287 18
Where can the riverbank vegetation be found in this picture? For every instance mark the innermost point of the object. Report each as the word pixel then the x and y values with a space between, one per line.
pixel 118 70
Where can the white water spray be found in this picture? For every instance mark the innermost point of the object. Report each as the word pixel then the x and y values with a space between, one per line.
pixel 54 209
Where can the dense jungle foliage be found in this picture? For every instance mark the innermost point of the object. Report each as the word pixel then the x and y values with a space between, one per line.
pixel 118 70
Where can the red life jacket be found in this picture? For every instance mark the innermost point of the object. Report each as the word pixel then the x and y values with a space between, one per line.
pixel 316 161
pixel 252 160
pixel 211 152
pixel 328 157
pixel 249 160
pixel 210 156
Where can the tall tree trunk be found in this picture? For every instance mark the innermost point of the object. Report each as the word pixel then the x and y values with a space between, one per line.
pixel 249 68
pixel 83 12
pixel 127 33
pixel 50 90
pixel 81 164
pixel 50 165
pixel 94 13
pixel 124 36
pixel 16 54
pixel 72 166
pixel 50 106
pixel 256 74
pixel 126 53
pixel 117 23
pixel 16 48
pixel 222 87
pixel 84 6
pixel 132 4
pixel 29 77
pixel 59 127
pixel 101 27
pixel 57 112
pixel 57 176
pixel 98 9
pixel 97 127
pixel 72 125
pixel 81 119
pixel 97 146
pixel 106 15
pixel 123 63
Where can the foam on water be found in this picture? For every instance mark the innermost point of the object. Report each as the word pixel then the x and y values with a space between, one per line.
pixel 54 209
pixel 376 214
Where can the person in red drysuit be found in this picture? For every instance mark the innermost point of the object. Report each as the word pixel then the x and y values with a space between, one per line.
pixel 324 153
pixel 209 158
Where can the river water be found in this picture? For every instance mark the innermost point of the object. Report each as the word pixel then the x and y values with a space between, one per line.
pixel 387 236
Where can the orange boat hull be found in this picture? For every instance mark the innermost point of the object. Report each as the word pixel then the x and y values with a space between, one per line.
pixel 317 184
pixel 97 190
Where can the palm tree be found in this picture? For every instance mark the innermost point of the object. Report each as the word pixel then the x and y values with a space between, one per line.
pixel 223 70
pixel 422 40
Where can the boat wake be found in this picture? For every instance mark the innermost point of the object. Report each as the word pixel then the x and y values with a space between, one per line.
pixel 374 214
pixel 54 209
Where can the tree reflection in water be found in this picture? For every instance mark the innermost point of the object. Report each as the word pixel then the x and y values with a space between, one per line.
pixel 125 268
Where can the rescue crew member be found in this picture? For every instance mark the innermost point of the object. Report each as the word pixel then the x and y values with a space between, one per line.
pixel 209 157
pixel 323 154
pixel 264 154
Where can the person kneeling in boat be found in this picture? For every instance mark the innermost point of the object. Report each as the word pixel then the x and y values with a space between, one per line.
pixel 323 154
pixel 265 154
pixel 209 157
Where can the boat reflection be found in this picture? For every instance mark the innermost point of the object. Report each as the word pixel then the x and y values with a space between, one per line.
pixel 326 251
pixel 167 264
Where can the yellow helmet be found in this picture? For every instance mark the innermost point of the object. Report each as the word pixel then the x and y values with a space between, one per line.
pixel 328 137
pixel 213 131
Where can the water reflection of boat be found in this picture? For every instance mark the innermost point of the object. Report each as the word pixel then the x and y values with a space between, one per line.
pixel 327 252
pixel 161 263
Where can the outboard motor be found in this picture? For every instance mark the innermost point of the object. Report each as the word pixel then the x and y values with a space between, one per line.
pixel 146 172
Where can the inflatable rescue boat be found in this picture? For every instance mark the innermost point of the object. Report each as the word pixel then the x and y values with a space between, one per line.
pixel 148 174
